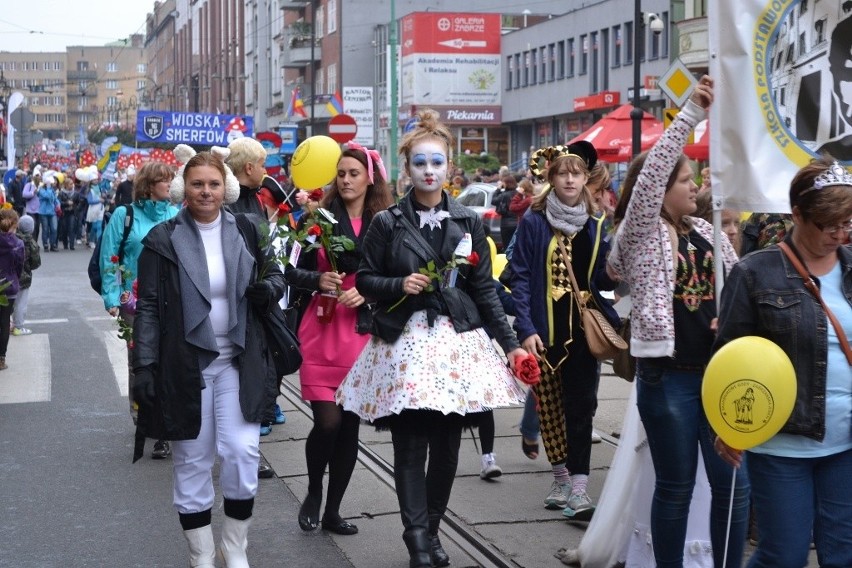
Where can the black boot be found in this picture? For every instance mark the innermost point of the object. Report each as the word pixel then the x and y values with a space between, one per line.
pixel 417 541
pixel 409 460
pixel 438 554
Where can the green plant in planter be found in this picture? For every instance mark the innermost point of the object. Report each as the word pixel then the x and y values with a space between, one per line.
pixel 469 162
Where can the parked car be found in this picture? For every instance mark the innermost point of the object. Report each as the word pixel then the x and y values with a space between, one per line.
pixel 477 196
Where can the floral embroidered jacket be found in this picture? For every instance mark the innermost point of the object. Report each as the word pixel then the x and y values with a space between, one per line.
pixel 642 253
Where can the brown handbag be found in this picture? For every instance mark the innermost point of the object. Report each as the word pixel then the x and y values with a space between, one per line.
pixel 604 342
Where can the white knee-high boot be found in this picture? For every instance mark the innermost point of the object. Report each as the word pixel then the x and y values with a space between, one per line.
pixel 202 549
pixel 234 542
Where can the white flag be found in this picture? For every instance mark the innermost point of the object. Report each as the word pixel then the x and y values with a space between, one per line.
pixel 783 74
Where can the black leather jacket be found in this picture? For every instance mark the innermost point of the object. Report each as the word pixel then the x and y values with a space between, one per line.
pixel 390 253
pixel 765 296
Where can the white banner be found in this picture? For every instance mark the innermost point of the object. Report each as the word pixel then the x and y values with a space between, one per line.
pixel 358 102
pixel 783 72
pixel 442 79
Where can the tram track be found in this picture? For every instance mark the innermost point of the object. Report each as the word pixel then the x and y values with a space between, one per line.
pixel 453 529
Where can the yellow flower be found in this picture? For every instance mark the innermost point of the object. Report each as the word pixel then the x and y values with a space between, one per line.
pixel 7 205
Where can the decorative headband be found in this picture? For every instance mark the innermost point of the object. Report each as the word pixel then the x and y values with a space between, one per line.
pixel 581 149
pixel 834 175
pixel 372 157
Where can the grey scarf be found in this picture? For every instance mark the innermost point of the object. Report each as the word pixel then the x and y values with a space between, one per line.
pixel 568 220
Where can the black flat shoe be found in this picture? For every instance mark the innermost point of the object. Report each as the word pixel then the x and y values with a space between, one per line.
pixel 309 513
pixel 339 526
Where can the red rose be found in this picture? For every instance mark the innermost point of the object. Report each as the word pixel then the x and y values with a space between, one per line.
pixel 114 259
pixel 527 369
pixel 283 209
pixel 315 231
pixel 473 258
pixel 316 195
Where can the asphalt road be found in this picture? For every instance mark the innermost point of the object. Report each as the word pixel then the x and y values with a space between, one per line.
pixel 69 495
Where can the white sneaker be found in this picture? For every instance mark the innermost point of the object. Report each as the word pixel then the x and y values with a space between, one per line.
pixel 558 496
pixel 580 507
pixel 92 246
pixel 596 438
pixel 490 469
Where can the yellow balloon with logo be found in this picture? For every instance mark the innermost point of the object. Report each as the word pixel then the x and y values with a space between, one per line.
pixel 748 391
pixel 314 162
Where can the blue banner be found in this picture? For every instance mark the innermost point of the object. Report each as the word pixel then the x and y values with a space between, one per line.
pixel 191 128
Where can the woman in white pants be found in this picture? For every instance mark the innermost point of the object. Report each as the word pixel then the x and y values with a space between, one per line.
pixel 203 376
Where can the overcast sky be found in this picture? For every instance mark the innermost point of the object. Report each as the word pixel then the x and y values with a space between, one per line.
pixel 51 25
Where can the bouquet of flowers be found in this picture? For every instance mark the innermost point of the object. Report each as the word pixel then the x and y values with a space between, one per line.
pixel 127 298
pixel 446 276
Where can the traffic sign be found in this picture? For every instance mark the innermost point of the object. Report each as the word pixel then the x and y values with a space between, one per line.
pixel 342 128
pixel 677 83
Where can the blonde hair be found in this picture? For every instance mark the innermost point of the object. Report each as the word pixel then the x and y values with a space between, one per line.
pixel 575 164
pixel 428 126
pixel 244 151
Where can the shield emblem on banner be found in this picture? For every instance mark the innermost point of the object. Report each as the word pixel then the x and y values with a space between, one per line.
pixel 153 126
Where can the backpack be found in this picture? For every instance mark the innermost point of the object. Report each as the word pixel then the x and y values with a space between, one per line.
pixel 95 261
pixel 501 202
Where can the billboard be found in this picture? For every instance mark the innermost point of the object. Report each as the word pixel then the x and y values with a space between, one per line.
pixel 191 128
pixel 451 63
pixel 358 102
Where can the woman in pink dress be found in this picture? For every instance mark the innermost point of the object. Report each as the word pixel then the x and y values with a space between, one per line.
pixel 329 349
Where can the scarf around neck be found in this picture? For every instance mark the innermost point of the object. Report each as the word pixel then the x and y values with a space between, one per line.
pixel 568 220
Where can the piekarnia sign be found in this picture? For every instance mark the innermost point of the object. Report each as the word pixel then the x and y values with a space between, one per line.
pixel 192 128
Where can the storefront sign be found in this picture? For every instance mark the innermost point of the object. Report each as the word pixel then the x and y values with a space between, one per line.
pixel 604 99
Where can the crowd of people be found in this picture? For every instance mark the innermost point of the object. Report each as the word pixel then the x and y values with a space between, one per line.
pixel 416 316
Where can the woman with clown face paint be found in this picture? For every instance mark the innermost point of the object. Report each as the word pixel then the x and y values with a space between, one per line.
pixel 429 358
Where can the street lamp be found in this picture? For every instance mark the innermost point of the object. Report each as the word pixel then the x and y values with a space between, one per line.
pixel 656 25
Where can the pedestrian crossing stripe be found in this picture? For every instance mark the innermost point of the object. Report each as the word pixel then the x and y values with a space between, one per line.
pixel 28 378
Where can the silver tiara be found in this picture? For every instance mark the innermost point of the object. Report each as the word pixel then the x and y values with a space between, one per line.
pixel 834 175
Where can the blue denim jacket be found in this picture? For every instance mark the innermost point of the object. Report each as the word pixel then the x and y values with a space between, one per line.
pixel 764 295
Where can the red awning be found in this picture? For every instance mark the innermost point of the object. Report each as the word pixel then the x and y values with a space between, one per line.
pixel 700 149
pixel 612 136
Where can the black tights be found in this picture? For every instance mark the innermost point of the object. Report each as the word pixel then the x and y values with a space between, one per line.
pixel 486 431
pixel 333 441
pixel 5 322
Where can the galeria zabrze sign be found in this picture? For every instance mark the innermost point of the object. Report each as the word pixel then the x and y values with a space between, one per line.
pixel 192 127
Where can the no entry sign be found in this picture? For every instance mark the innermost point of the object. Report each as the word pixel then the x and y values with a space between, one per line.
pixel 342 128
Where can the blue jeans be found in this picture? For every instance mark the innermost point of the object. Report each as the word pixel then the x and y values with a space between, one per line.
pixel 790 496
pixel 669 403
pixel 49 238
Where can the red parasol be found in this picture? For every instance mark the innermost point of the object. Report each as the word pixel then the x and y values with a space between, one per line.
pixel 612 136
pixel 700 149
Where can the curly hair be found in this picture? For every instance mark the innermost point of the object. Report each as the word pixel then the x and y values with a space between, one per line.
pixel 427 127
pixel 148 176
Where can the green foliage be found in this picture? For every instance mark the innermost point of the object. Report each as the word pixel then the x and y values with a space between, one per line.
pixel 469 162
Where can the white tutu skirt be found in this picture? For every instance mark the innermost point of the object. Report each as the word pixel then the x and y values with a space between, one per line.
pixel 429 368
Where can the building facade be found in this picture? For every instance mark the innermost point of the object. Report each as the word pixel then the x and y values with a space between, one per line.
pixel 102 85
pixel 40 77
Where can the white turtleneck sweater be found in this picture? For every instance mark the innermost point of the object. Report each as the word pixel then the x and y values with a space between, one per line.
pixel 211 236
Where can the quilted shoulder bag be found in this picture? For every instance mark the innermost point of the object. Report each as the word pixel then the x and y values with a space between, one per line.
pixel 603 340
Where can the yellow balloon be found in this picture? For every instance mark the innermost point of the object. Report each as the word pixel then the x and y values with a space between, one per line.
pixel 314 163
pixel 60 177
pixel 748 391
